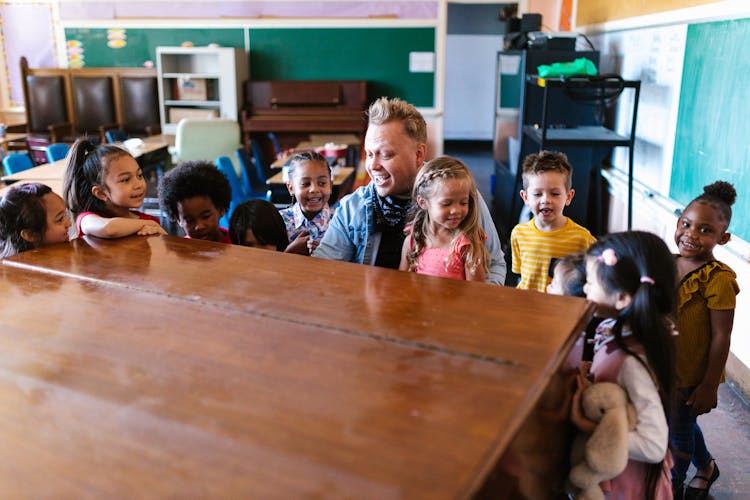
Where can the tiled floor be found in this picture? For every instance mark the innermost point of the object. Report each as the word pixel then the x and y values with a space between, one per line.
pixel 726 429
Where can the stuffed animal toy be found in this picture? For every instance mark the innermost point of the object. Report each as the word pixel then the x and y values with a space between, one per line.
pixel 603 454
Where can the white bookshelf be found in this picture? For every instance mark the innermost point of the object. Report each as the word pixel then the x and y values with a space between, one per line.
pixel 199 82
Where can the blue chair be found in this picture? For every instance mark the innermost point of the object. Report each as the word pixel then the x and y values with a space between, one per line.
pixel 57 151
pixel 275 142
pixel 16 162
pixel 252 181
pixel 115 135
pixel 226 167
pixel 264 167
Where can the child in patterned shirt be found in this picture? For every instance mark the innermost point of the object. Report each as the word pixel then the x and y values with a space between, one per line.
pixel 308 218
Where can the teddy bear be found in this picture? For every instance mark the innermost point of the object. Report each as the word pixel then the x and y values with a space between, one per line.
pixel 603 454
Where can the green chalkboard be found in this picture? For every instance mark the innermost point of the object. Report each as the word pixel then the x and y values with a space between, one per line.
pixel 713 131
pixel 378 55
pixel 104 47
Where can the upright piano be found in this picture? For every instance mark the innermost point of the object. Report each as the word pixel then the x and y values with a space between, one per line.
pixel 176 368
pixel 292 109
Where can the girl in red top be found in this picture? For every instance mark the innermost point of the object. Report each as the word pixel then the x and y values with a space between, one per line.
pixel 103 187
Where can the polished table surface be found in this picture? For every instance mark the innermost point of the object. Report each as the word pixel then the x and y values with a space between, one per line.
pixel 55 184
pixel 173 367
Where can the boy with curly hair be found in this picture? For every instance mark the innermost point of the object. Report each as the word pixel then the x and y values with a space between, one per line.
pixel 195 195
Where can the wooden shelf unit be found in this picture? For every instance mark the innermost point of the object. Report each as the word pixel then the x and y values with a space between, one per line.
pixel 218 72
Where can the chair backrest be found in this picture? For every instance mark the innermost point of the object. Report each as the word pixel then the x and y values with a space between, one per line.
pixel 45 102
pixel 226 167
pixel 140 104
pixel 16 162
pixel 94 103
pixel 261 161
pixel 206 140
pixel 275 142
pixel 116 135
pixel 252 180
pixel 57 151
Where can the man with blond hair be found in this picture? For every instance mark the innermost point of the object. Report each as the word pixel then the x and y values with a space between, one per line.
pixel 368 226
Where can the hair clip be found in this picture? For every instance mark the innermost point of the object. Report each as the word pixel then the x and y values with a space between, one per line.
pixel 608 257
pixel 648 279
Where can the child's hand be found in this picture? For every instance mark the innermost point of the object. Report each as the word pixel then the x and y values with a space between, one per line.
pixel 299 245
pixel 151 228
pixel 312 245
pixel 576 412
pixel 703 399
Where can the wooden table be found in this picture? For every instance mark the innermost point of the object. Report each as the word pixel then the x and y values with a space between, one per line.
pixel 10 137
pixel 168 367
pixel 55 184
pixel 317 141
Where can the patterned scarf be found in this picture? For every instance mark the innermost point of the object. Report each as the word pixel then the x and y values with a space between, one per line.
pixel 390 213
pixel 605 333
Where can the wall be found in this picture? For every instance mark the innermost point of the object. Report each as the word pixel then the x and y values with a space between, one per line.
pixel 425 87
pixel 675 101
pixel 596 11
pixel 474 37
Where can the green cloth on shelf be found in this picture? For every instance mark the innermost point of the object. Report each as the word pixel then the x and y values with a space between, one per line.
pixel 581 66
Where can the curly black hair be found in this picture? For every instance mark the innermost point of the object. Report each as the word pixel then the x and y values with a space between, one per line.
pixel 191 179
pixel 722 195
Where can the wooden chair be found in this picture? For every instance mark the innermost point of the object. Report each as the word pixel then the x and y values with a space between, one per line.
pixel 139 100
pixel 61 104
pixel 45 106
pixel 94 106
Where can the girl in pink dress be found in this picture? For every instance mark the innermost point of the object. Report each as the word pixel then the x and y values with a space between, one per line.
pixel 445 237
pixel 631 278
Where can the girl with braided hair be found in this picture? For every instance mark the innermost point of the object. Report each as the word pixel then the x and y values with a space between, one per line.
pixel 444 237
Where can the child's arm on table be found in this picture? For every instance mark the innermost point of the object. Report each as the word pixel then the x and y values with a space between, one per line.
pixel 474 273
pixel 704 397
pixel 117 227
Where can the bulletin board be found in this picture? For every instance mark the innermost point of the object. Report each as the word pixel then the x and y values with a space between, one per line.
pixel 116 47
pixel 712 138
pixel 597 11
pixel 378 55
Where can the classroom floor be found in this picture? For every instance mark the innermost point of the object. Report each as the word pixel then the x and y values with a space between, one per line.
pixel 727 428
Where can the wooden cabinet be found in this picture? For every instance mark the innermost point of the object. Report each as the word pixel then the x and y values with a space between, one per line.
pixel 199 82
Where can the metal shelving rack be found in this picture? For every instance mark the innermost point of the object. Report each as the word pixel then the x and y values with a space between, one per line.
pixel 592 89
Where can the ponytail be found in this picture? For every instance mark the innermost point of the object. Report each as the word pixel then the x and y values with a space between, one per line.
pixel 640 264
